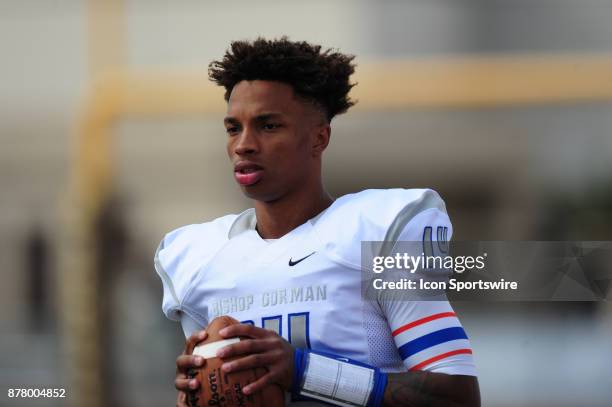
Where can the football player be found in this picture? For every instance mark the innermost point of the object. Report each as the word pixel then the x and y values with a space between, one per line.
pixel 290 267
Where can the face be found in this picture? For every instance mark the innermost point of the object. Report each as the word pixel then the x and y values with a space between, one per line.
pixel 275 139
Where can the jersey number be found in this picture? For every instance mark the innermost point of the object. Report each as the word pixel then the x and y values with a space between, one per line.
pixel 298 327
pixel 428 242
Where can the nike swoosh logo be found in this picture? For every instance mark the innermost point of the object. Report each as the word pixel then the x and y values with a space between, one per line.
pixel 293 263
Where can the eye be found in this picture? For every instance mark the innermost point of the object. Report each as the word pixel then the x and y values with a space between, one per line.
pixel 270 126
pixel 232 130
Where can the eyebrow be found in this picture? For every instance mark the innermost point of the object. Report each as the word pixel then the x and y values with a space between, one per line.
pixel 259 118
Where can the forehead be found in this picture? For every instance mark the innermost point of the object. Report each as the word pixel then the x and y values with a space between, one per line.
pixel 254 97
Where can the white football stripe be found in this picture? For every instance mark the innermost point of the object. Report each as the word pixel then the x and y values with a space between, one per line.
pixel 209 350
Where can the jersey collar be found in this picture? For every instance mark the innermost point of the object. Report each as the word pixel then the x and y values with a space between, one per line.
pixel 243 222
pixel 248 221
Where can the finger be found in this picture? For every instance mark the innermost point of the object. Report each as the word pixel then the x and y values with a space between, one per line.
pixel 186 362
pixel 248 346
pixel 258 384
pixel 248 330
pixel 251 361
pixel 186 384
pixel 181 399
pixel 194 339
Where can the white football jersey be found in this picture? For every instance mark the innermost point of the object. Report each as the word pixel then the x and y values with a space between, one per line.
pixel 307 285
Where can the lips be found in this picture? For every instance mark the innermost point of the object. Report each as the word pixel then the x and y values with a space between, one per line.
pixel 247 173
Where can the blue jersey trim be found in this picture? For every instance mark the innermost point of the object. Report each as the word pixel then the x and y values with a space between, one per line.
pixel 431 339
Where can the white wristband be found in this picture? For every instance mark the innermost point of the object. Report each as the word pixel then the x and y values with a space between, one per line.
pixel 337 382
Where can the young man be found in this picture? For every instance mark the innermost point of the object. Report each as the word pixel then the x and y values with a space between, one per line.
pixel 289 268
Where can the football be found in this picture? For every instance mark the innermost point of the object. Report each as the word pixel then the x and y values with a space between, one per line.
pixel 218 388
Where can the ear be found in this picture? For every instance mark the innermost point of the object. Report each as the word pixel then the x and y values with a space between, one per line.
pixel 321 139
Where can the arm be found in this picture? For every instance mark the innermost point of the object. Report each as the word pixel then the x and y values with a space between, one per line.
pixel 412 389
pixel 441 369
pixel 431 389
pixel 430 338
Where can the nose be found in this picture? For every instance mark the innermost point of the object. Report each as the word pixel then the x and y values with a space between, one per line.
pixel 246 142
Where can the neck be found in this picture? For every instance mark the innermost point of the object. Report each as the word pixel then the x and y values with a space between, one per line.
pixel 276 219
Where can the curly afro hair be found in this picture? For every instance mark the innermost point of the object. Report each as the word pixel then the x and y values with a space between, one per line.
pixel 318 76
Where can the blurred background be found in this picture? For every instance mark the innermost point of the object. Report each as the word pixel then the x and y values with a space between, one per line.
pixel 111 136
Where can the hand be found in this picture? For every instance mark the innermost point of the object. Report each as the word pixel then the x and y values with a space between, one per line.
pixel 265 348
pixel 185 362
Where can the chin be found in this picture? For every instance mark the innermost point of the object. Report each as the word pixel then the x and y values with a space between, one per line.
pixel 258 193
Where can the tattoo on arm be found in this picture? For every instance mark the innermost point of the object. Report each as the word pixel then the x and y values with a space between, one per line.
pixel 416 389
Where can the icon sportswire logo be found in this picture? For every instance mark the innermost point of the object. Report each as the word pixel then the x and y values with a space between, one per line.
pixel 293 263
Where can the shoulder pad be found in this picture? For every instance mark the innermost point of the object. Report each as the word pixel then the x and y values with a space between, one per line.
pixel 372 215
pixel 181 254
